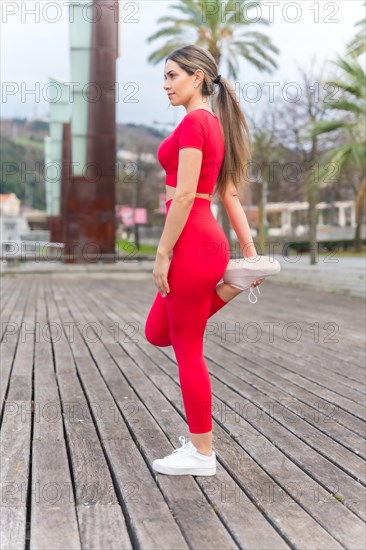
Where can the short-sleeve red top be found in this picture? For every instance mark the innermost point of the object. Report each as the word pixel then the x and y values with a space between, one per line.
pixel 202 130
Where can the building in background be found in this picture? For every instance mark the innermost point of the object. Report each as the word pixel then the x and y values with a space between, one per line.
pixel 13 224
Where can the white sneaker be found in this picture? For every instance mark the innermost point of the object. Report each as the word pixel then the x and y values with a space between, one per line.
pixel 243 272
pixel 186 461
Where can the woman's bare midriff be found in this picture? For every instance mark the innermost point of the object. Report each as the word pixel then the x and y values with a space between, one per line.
pixel 170 190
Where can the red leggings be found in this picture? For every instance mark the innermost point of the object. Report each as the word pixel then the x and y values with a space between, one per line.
pixel 199 260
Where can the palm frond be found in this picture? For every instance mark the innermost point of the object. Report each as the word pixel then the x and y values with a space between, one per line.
pixel 351 67
pixel 168 31
pixel 326 126
pixel 176 21
pixel 189 7
pixel 164 51
pixel 260 43
pixel 343 105
pixel 333 164
pixel 234 13
pixel 358 155
pixel 357 45
pixel 244 48
pixel 348 87
pixel 343 157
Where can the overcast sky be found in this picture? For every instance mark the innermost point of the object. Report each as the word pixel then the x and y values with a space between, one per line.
pixel 32 51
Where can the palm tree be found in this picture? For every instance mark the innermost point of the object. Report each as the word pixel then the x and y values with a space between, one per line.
pixel 351 154
pixel 357 46
pixel 264 149
pixel 221 28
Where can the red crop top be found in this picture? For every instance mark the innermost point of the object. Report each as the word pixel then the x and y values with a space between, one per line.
pixel 202 130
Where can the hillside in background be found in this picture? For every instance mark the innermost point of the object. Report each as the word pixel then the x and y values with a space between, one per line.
pixel 129 136
pixel 22 167
pixel 22 161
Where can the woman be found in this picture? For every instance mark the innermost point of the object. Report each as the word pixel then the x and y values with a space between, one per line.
pixel 205 148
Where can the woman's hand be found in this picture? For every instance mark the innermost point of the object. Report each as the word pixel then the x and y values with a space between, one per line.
pixel 160 272
pixel 257 282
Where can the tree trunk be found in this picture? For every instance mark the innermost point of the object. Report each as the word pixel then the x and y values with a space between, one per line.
pixel 312 192
pixel 312 221
pixel 359 206
pixel 140 176
pixel 263 227
pixel 137 236
pixel 357 243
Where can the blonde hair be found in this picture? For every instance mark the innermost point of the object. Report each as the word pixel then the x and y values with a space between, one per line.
pixel 238 144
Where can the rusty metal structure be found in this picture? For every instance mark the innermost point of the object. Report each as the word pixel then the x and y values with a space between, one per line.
pixel 88 167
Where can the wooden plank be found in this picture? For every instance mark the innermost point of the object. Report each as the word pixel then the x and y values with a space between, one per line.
pixel 287 368
pixel 11 300
pixel 12 528
pixel 16 435
pixel 295 387
pixel 355 503
pixel 109 308
pixel 298 416
pixel 333 520
pixel 208 524
pixel 151 526
pixel 97 504
pixel 117 403
pixel 10 334
pixel 93 531
pixel 295 402
pixel 143 387
pixel 310 335
pixel 270 354
pixel 53 518
pixel 300 354
pixel 286 305
pixel 222 361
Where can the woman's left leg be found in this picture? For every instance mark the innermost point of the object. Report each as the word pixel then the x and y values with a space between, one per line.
pixel 157 330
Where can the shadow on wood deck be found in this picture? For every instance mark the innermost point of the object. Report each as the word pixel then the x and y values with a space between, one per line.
pixel 88 403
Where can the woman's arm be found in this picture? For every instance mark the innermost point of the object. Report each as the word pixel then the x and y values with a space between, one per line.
pixel 239 221
pixel 189 167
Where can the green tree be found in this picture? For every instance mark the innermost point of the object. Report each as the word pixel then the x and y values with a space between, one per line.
pixel 224 30
pixel 351 153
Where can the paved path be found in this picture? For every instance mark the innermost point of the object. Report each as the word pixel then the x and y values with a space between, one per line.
pixel 339 275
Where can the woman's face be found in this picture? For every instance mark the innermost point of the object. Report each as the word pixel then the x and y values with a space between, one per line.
pixel 179 84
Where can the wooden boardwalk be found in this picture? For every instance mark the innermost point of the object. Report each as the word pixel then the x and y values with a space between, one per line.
pixel 88 403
